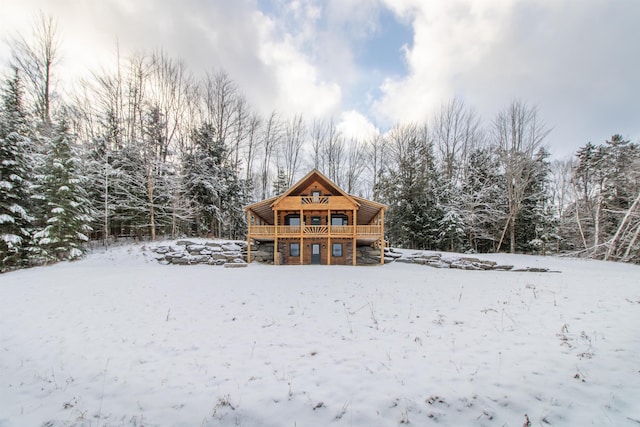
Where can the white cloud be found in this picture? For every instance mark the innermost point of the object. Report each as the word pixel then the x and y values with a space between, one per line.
pixel 260 54
pixel 450 38
pixel 577 61
pixel 298 85
pixel 353 124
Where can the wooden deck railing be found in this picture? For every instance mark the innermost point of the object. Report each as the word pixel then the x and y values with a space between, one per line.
pixel 313 200
pixel 269 231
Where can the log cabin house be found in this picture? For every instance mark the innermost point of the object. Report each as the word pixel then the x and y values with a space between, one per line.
pixel 316 222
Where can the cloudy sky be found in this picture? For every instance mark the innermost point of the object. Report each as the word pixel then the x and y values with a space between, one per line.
pixel 372 63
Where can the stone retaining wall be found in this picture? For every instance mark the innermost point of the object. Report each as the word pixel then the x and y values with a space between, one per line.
pixel 186 252
pixel 463 263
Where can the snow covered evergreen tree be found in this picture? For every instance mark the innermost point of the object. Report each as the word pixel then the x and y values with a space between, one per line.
pixel 158 172
pixel 607 182
pixel 97 170
pixel 451 230
pixel 98 156
pixel 535 225
pixel 408 186
pixel 66 221
pixel 619 166
pixel 518 133
pixel 212 185
pixel 281 184
pixel 129 211
pixel 15 175
pixel 483 200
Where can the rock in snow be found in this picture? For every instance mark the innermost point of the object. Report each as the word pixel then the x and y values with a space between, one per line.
pixel 436 260
pixel 187 252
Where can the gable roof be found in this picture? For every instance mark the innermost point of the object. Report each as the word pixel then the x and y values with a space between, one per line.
pixel 367 209
pixel 314 176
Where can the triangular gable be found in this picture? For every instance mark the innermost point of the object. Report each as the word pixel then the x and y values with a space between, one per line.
pixel 320 177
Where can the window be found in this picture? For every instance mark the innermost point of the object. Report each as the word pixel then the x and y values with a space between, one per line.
pixel 292 220
pixel 315 193
pixel 339 220
pixel 336 249
pixel 294 249
pixel 315 220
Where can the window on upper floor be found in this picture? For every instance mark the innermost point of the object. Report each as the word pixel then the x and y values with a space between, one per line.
pixel 292 220
pixel 339 220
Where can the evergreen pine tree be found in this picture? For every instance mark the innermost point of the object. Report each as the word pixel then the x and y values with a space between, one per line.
pixel 483 201
pixel 408 186
pixel 15 175
pixel 158 172
pixel 535 225
pixel 281 183
pixel 452 230
pixel 622 180
pixel 96 169
pixel 607 181
pixel 66 221
pixel 98 158
pixel 211 183
pixel 127 192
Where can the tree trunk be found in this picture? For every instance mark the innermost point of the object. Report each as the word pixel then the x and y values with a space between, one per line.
pixel 106 202
pixel 596 224
pixel 621 227
pixel 152 218
pixel 631 243
pixel 584 240
pixel 504 232
pixel 512 233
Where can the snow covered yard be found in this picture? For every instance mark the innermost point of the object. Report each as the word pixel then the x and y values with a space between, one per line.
pixel 120 340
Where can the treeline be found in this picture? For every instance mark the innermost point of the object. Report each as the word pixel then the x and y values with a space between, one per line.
pixel 145 149
pixel 453 184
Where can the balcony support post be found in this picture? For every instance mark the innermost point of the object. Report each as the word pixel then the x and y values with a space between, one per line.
pixel 329 237
pixel 301 236
pixel 276 258
pixel 381 224
pixel 248 237
pixel 354 237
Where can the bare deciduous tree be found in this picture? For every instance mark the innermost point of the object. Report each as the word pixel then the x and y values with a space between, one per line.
pixel 561 188
pixel 455 132
pixel 333 154
pixel 253 127
pixel 241 129
pixel 327 148
pixel 271 138
pixel 318 135
pixel 36 59
pixel 221 100
pixel 294 133
pixel 518 134
pixel 355 166
pixel 376 160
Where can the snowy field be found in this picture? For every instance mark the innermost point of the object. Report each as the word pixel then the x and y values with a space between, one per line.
pixel 119 340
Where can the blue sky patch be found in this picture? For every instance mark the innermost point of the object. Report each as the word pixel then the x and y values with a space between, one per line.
pixel 382 51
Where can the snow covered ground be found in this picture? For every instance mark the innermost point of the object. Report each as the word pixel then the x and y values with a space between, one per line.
pixel 119 340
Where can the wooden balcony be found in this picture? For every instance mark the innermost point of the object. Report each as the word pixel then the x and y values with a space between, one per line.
pixel 268 232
